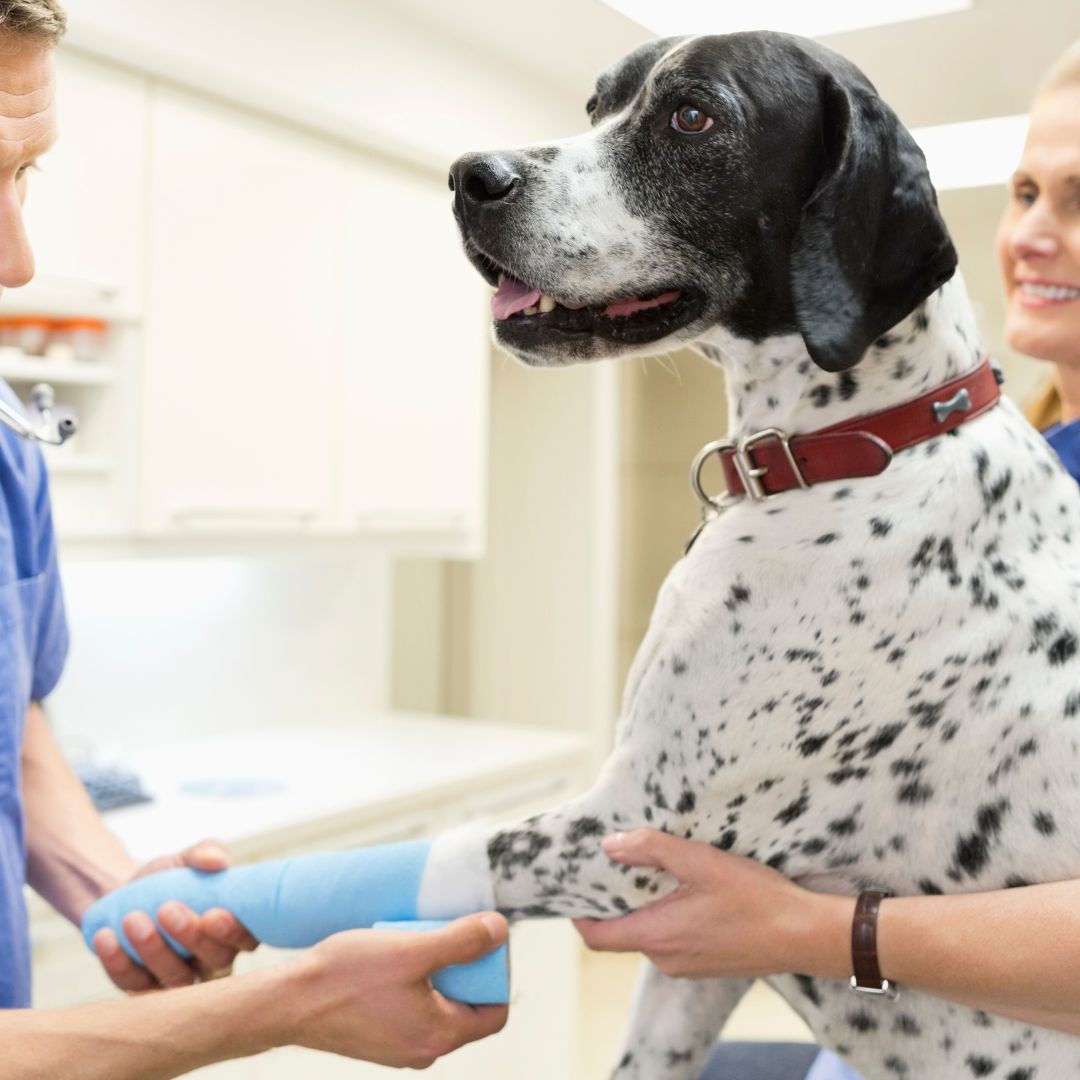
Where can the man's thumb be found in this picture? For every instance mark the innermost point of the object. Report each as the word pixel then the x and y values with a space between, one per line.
pixel 465 940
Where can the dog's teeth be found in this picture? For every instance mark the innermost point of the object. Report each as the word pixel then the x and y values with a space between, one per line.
pixel 532 310
pixel 547 303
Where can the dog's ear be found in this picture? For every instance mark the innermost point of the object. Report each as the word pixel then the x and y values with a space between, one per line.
pixel 871 244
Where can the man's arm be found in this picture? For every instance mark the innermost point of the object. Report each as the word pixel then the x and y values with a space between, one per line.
pixel 73 858
pixel 363 994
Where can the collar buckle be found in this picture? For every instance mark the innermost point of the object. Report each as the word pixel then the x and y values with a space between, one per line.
pixel 750 473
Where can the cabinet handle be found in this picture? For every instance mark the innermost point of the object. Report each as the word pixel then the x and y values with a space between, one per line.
pixel 98 290
pixel 408 519
pixel 251 515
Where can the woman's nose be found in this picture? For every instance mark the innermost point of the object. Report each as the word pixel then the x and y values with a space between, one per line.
pixel 1034 236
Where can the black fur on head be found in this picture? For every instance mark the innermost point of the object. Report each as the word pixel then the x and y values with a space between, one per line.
pixel 804 206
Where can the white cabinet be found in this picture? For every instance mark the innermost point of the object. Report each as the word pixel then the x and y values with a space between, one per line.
pixel 316 352
pixel 243 323
pixel 415 387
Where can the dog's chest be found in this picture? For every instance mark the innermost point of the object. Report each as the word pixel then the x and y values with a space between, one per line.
pixel 828 673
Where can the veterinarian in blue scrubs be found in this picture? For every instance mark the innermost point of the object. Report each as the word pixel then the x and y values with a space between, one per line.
pixel 739 918
pixel 364 995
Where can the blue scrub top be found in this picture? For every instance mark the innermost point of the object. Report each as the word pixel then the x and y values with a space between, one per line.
pixel 33 646
pixel 1065 441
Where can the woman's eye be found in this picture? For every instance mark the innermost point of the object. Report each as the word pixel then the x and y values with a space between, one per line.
pixel 690 120
pixel 1025 196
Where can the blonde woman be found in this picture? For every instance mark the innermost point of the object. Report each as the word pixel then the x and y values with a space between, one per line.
pixel 733 916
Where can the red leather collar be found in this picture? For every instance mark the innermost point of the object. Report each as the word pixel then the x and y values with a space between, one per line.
pixel 768 462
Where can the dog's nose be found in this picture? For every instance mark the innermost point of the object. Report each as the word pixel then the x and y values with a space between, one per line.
pixel 477 179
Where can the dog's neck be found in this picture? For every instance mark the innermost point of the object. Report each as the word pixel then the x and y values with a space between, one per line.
pixel 774 383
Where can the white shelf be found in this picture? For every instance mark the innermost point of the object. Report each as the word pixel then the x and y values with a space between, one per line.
pixel 78 464
pixel 25 368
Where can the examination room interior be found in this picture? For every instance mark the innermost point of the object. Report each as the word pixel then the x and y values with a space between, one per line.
pixel 337 571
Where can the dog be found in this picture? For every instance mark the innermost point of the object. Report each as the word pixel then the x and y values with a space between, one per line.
pixel 866 682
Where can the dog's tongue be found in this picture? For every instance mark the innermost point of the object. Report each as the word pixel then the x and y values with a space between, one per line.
pixel 513 296
pixel 631 304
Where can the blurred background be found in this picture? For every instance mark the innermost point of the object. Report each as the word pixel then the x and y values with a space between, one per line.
pixel 337 571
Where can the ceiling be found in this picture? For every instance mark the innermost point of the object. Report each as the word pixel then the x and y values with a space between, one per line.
pixel 978 63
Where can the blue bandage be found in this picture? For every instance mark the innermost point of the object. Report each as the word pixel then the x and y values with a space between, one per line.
pixel 290 903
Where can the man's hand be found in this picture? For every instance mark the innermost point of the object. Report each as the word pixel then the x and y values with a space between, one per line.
pixel 213 939
pixel 367 994
pixel 730 916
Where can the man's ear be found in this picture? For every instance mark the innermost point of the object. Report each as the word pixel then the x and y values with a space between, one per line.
pixel 871 244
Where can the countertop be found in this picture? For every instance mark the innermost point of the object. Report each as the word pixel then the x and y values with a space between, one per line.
pixel 291 782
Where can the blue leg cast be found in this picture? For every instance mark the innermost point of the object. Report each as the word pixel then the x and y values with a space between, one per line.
pixel 294 903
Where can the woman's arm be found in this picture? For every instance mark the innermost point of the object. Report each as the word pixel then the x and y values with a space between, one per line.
pixel 363 994
pixel 1015 952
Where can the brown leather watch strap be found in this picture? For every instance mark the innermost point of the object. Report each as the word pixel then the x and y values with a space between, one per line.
pixel 864 957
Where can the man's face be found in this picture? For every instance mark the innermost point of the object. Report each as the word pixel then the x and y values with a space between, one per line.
pixel 27 129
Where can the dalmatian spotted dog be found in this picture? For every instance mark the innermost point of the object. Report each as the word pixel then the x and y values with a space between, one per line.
pixel 872 681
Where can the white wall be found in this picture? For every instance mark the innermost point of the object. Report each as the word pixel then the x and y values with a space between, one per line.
pixel 170 648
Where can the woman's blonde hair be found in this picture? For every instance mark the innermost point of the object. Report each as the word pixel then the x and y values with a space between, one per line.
pixel 1065 72
pixel 1044 409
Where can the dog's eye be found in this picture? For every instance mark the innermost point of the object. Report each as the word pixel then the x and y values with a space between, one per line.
pixel 690 120
pixel 590 105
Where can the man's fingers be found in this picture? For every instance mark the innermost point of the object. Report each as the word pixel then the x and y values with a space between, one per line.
pixel 126 974
pixel 471 1022
pixel 155 953
pixel 226 929
pixel 207 855
pixel 211 958
pixel 463 941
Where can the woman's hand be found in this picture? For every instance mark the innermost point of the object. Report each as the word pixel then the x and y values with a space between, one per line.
pixel 213 939
pixel 367 994
pixel 730 916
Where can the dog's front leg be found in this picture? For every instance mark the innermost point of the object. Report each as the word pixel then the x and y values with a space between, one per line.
pixel 674 1024
pixel 551 864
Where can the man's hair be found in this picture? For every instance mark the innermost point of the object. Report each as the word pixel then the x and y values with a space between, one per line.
pixel 42 22
pixel 1065 72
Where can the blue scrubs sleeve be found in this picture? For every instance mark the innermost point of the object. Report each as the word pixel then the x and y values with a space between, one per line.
pixel 33 647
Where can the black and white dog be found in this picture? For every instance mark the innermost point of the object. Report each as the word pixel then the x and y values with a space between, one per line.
pixel 873 681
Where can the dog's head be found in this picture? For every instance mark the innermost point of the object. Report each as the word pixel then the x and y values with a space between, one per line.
pixel 751 181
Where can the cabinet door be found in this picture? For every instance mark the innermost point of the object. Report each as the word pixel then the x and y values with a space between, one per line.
pixel 84 209
pixel 244 322
pixel 416 372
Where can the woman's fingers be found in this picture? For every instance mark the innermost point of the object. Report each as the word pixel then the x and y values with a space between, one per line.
pixel 631 933
pixel 685 859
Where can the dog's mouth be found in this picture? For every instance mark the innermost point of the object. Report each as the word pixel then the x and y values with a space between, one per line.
pixel 525 316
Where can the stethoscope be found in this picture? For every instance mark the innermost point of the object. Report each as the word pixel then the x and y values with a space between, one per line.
pixel 55 432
